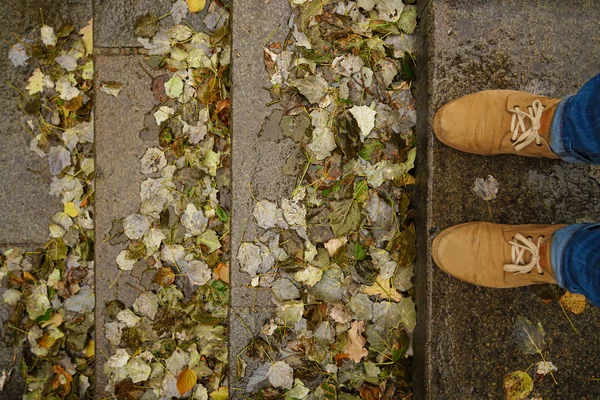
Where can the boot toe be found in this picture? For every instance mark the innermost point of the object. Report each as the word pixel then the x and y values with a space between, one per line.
pixel 465 252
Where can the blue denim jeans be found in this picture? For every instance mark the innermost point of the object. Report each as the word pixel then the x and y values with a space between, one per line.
pixel 575 132
pixel 576 260
pixel 575 137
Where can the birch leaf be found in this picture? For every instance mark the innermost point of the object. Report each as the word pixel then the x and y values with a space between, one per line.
pixel 573 302
pixel 146 304
pixel 153 161
pixel 193 220
pixel 517 385
pixel 138 370
pixel 365 117
pixel 486 188
pixel 345 217
pixel 249 258
pixel 17 55
pixel 48 36
pixel 314 88
pixel 196 5
pixel 529 337
pixel 87 37
pixel 198 272
pixel 174 86
pixel 323 140
pixel 390 10
pixel 281 375
pixel 268 215
pixel 135 226
pixel 111 88
pixel 186 380
pixel 58 159
pixel 179 12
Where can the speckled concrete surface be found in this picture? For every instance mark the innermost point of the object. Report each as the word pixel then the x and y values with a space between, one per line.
pixel 256 159
pixel 115 20
pixel 464 339
pixel 25 203
pixel 118 178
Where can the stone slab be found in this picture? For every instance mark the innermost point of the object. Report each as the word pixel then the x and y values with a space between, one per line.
pixel 25 204
pixel 244 324
pixel 118 178
pixel 114 20
pixel 257 158
pixel 464 340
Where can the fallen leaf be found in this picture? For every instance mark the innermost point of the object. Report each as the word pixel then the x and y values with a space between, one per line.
pixel 572 302
pixel 164 277
pixel 281 375
pixel 111 88
pixel 17 55
pixel 87 33
pixel 383 288
pixel 186 380
pixel 486 188
pixel 179 11
pixel 517 385
pixel 355 344
pixel 196 5
pixel 365 117
pixel 146 26
pixel 529 337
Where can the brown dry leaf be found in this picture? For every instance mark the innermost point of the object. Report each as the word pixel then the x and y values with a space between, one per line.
pixel 88 37
pixel 355 345
pixel 196 5
pixel 65 382
pixel 164 277
pixel 382 287
pixel 368 392
pixel 186 380
pixel 222 272
pixel 55 320
pixel 573 302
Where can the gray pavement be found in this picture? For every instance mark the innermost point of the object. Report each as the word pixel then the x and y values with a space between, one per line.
pixel 25 203
pixel 257 159
pixel 464 338
pixel 118 178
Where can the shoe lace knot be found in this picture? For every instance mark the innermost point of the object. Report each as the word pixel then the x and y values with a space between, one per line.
pixel 520 247
pixel 521 135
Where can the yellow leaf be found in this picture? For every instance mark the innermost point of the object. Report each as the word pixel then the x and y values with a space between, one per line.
pixel 196 5
pixel 55 320
pixel 186 380
pixel 573 302
pixel 221 394
pixel 89 350
pixel 382 287
pixel 88 37
pixel 71 210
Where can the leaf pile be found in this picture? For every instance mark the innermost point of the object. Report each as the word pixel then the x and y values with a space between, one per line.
pixel 172 341
pixel 338 254
pixel 51 291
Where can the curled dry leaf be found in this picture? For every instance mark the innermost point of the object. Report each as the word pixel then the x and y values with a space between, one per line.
pixel 573 302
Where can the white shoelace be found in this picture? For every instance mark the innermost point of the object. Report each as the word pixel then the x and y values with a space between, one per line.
pixel 521 246
pixel 521 136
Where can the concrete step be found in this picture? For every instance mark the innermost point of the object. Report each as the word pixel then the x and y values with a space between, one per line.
pixel 464 337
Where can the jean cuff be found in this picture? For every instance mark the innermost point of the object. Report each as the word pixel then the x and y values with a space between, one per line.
pixel 557 144
pixel 560 239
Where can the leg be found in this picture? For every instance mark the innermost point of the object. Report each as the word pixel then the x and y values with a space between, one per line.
pixel 576 125
pixel 576 260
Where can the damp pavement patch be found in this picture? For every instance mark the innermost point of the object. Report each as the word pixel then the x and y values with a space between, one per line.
pixel 464 336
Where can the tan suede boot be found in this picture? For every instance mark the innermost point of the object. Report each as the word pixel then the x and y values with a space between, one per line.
pixel 498 122
pixel 494 255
